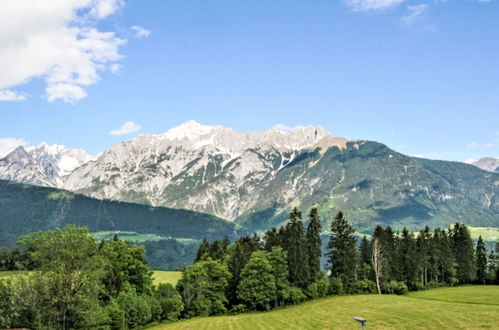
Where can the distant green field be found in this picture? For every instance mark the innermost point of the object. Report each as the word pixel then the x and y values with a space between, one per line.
pixel 128 236
pixel 469 307
pixel 161 276
pixel 490 234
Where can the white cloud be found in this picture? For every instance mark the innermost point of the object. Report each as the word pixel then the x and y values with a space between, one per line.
pixel 126 128
pixel 115 68
pixel 488 145
pixel 415 13
pixel 372 5
pixel 9 144
pixel 140 32
pixel 56 41
pixel 66 92
pixel 8 95
pixel 418 156
pixel 472 145
pixel 470 161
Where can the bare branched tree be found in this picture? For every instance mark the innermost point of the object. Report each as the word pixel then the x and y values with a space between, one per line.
pixel 378 262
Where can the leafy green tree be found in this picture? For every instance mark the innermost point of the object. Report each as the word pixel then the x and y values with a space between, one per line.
pixel 257 288
pixel 70 269
pixel 170 301
pixel 481 261
pixel 342 254
pixel 444 257
pixel 278 260
pixel 202 288
pixel 124 268
pixel 314 244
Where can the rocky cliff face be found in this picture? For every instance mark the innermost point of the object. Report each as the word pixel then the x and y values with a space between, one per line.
pixel 206 168
pixel 487 164
pixel 42 165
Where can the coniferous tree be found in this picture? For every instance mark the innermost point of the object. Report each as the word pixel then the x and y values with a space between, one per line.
pixel 481 261
pixel 423 245
pixel 463 253
pixel 272 239
pixel 204 248
pixel 444 257
pixel 408 258
pixel 342 255
pixel 239 256
pixel 365 268
pixel 314 244
pixel 295 244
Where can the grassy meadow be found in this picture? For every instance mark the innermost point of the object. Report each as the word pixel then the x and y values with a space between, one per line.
pixel 467 307
pixel 490 234
pixel 161 276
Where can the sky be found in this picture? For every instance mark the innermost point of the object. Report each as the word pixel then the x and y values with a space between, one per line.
pixel 420 76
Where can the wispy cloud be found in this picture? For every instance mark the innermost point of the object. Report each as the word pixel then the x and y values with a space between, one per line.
pixel 472 145
pixel 127 128
pixel 9 95
pixel 57 41
pixel 415 14
pixel 372 5
pixel 140 32
pixel 9 144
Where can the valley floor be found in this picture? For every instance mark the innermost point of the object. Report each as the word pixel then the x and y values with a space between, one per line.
pixel 466 307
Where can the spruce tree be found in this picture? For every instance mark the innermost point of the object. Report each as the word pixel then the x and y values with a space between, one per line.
pixel 342 254
pixel 365 268
pixel 294 242
pixel 481 261
pixel 272 239
pixel 408 257
pixel 463 253
pixel 314 244
pixel 204 248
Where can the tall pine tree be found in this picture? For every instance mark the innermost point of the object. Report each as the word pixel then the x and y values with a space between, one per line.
pixel 463 253
pixel 294 242
pixel 342 254
pixel 314 244
pixel 481 261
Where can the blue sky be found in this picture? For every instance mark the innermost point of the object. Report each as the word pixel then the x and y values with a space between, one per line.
pixel 419 76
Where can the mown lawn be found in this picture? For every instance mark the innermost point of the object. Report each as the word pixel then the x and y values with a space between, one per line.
pixel 468 307
pixel 161 276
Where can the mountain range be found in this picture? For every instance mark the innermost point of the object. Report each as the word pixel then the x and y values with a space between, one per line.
pixel 255 178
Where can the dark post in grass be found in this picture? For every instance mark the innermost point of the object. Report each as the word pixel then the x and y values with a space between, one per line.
pixel 362 321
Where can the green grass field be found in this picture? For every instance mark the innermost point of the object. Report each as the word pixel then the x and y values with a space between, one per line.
pixel 128 236
pixel 161 276
pixel 468 307
pixel 490 234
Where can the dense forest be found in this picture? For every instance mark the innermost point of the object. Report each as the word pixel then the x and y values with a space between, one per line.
pixel 79 282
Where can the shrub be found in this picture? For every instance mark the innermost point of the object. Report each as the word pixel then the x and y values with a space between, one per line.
pixel 317 289
pixel 335 286
pixel 294 295
pixel 170 302
pixel 364 286
pixel 395 287
pixel 137 309
pixel 114 316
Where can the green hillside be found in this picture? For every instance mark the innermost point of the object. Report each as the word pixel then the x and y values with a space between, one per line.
pixel 373 184
pixel 468 307
pixel 27 208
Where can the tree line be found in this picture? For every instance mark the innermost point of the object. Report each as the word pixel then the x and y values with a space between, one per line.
pixel 79 282
pixel 283 267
